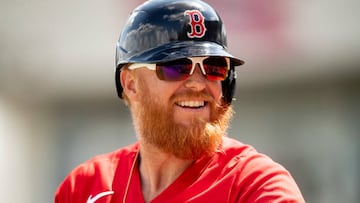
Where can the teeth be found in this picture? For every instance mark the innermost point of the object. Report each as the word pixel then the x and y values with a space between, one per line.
pixel 191 103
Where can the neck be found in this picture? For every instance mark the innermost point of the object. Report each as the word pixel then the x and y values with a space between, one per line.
pixel 158 170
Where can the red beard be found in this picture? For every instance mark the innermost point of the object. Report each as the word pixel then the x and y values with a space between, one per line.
pixel 156 126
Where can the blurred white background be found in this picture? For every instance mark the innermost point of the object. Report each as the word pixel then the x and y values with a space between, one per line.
pixel 297 94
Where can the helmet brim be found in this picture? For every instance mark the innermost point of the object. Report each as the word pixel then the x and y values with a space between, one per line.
pixel 177 50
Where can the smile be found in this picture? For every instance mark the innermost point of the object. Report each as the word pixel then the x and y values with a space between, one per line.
pixel 191 104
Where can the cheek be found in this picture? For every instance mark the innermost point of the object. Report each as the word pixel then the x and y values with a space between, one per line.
pixel 155 89
pixel 216 90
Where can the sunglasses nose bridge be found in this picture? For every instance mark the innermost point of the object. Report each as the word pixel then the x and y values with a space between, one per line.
pixel 195 65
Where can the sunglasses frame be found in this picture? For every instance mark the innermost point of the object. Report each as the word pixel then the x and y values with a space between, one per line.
pixel 194 61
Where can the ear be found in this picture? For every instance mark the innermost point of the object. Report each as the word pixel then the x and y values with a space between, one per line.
pixel 129 84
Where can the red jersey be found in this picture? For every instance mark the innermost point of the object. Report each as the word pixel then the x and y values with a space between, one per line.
pixel 236 173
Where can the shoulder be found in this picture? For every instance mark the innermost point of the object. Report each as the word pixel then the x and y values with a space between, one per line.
pixel 230 144
pixel 235 149
pixel 260 178
pixel 244 154
pixel 249 162
pixel 104 162
pixel 96 174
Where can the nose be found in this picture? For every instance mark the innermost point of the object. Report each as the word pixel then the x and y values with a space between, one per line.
pixel 196 81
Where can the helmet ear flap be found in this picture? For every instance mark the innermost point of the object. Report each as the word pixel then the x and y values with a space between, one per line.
pixel 119 87
pixel 228 86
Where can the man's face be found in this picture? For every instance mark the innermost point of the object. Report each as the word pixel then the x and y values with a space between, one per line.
pixel 184 118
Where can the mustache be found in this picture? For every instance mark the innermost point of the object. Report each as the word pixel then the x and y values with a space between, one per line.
pixel 194 95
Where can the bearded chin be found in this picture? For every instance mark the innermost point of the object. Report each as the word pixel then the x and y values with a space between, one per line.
pixel 156 127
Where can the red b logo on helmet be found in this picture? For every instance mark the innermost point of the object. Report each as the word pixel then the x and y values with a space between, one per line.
pixel 196 23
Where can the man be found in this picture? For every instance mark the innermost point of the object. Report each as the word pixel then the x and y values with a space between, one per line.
pixel 175 74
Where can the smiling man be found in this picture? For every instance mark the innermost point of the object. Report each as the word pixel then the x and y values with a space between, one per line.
pixel 175 74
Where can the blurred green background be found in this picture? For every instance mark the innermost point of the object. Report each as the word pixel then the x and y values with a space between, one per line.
pixel 297 96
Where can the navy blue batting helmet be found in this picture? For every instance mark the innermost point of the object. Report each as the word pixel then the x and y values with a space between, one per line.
pixel 164 30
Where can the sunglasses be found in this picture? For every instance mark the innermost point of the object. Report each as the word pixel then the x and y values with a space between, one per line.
pixel 214 68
